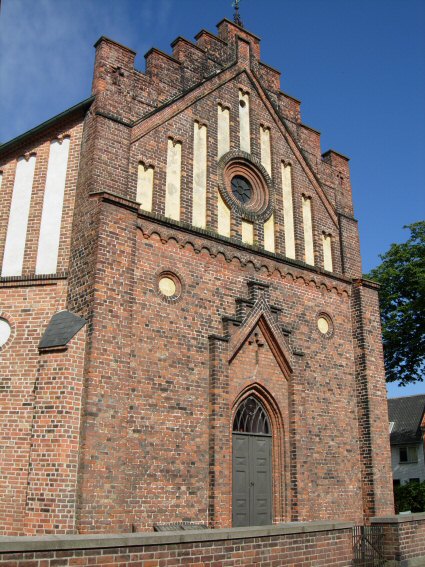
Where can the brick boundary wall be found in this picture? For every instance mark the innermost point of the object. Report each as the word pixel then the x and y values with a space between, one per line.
pixel 312 544
pixel 404 539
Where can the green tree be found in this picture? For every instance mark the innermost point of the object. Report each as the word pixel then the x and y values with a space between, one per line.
pixel 402 301
pixel 410 497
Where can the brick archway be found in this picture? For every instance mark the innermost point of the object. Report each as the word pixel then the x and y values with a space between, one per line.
pixel 280 465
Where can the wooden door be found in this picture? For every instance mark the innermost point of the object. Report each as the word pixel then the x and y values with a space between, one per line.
pixel 252 480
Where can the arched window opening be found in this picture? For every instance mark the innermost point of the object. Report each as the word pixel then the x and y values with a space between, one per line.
pixel 251 417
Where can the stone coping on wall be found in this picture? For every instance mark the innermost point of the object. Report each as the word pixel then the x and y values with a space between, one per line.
pixel 93 541
pixel 399 519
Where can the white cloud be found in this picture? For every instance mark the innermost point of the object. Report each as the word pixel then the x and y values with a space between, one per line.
pixel 46 51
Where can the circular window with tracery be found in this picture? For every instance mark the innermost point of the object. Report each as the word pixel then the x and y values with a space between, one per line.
pixel 241 188
pixel 245 186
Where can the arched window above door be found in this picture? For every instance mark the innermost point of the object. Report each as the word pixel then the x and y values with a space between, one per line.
pixel 252 418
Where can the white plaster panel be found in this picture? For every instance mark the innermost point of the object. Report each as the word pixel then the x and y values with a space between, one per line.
pixel 327 252
pixel 244 127
pixel 145 187
pixel 308 232
pixel 266 156
pixel 247 232
pixel 51 216
pixel 223 216
pixel 288 211
pixel 199 204
pixel 14 249
pixel 173 180
pixel 406 471
pixel 269 234
pixel 223 131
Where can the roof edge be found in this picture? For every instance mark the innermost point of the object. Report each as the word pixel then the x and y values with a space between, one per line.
pixel 82 106
pixel 109 40
pixel 239 27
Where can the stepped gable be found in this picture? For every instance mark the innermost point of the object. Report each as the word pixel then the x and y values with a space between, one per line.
pixel 169 76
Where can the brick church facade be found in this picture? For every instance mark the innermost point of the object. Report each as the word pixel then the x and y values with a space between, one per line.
pixel 185 332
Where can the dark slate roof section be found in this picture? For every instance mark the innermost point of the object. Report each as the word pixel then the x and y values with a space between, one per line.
pixel 60 330
pixel 407 414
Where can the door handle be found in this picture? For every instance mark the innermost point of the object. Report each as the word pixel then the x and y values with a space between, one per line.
pixel 252 483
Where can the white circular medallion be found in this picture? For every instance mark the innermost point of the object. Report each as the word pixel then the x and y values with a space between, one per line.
pixel 167 286
pixel 5 331
pixel 323 325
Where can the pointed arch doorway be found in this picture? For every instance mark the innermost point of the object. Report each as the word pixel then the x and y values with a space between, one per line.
pixel 252 465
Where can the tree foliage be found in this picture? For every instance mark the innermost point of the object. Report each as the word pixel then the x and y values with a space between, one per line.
pixel 410 497
pixel 402 301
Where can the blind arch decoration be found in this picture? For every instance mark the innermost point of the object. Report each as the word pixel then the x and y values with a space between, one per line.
pixel 251 417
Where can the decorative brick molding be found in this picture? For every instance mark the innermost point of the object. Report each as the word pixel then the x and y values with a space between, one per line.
pixel 215 244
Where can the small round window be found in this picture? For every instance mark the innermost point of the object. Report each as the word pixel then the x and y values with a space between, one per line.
pixel 5 331
pixel 169 286
pixel 241 188
pixel 324 324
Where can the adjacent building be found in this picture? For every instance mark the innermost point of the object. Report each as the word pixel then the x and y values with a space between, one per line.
pixel 407 428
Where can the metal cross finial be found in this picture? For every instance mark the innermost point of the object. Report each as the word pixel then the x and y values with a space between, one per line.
pixel 236 15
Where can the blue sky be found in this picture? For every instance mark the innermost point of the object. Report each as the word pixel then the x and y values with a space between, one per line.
pixel 358 66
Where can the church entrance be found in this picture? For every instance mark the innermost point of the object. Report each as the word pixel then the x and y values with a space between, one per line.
pixel 252 470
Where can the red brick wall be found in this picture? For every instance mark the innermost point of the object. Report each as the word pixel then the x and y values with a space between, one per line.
pixel 28 302
pixel 51 496
pixel 404 538
pixel 147 429
pixel 39 414
pixel 316 544
pixel 375 455
pixel 322 547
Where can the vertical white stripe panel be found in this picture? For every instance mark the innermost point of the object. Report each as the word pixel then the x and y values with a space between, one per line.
pixel 51 216
pixel 223 216
pixel 16 236
pixel 247 232
pixel 199 203
pixel 266 157
pixel 145 187
pixel 173 180
pixel 327 252
pixel 308 231
pixel 288 211
pixel 269 234
pixel 244 127
pixel 223 131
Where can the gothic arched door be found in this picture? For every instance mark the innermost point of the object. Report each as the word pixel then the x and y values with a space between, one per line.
pixel 252 465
